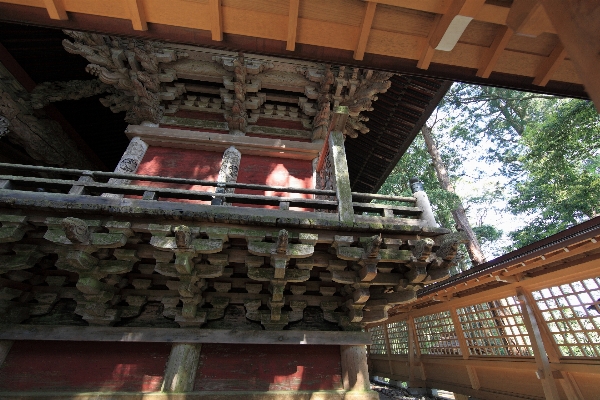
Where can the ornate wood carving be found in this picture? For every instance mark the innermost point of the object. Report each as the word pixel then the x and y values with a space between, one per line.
pixel 50 92
pixel 42 138
pixel 136 69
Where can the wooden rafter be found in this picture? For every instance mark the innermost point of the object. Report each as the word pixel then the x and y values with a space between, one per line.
pixel 56 9
pixel 492 55
pixel 427 51
pixel 216 20
pixel 547 68
pixel 138 18
pixel 365 30
pixel 453 23
pixel 292 25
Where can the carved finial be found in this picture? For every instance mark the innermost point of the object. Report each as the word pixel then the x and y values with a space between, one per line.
pixel 282 242
pixel 183 236
pixel 76 230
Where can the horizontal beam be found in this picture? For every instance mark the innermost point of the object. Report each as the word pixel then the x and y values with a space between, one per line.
pixel 177 335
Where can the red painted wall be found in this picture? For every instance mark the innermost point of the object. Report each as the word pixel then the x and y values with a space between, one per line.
pixel 198 164
pixel 268 367
pixel 84 366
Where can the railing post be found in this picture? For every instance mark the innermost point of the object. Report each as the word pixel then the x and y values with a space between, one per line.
pixel 340 165
pixel 544 372
pixel 228 173
pixel 416 186
pixel 129 163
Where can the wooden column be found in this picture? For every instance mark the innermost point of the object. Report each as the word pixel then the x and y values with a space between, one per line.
pixel 464 349
pixel 414 357
pixel 5 346
pixel 388 348
pixel 342 178
pixel 355 373
pixel 181 368
pixel 544 373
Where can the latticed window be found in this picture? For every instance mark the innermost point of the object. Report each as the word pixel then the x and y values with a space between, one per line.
pixel 495 328
pixel 378 339
pixel 572 312
pixel 398 337
pixel 436 334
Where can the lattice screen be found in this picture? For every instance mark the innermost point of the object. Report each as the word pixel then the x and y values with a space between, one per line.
pixel 495 328
pixel 436 334
pixel 378 338
pixel 572 312
pixel 398 337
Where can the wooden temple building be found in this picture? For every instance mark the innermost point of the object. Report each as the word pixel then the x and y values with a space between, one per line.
pixel 186 202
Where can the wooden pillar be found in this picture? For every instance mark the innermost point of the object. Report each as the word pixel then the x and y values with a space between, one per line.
pixel 464 349
pixel 544 373
pixel 414 357
pixel 5 346
pixel 228 173
pixel 355 373
pixel 129 163
pixel 388 348
pixel 342 178
pixel 181 368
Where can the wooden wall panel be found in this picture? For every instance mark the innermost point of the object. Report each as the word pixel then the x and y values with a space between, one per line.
pixel 541 45
pixel 514 381
pixel 327 34
pixel 396 44
pixel 280 7
pixel 84 366
pixel 479 34
pixel 268 368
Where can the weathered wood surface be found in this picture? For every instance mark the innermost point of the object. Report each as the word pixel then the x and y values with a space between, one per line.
pixel 234 395
pixel 174 335
pixel 342 178
pixel 180 372
pixel 355 373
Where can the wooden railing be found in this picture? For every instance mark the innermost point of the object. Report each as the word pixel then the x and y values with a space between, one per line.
pixel 97 183
pixel 534 337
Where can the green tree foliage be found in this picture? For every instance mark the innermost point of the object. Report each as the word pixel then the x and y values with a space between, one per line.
pixel 562 161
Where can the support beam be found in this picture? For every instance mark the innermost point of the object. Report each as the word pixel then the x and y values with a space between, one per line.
pixel 521 13
pixel 138 18
pixel 544 371
pixel 577 24
pixel 365 30
pixel 181 368
pixel 428 51
pixel 453 23
pixel 489 60
pixel 292 25
pixel 216 20
pixel 547 68
pixel 355 373
pixel 56 9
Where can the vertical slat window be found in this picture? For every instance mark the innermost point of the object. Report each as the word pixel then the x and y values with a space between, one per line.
pixel 378 339
pixel 398 337
pixel 495 328
pixel 436 334
pixel 572 312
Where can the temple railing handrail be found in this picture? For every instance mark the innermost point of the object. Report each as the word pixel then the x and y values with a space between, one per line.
pixel 190 181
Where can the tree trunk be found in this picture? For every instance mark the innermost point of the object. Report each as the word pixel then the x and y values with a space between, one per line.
pixel 459 214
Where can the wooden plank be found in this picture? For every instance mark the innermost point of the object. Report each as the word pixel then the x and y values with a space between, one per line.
pixel 489 60
pixel 453 23
pixel 180 335
pixel 550 65
pixel 182 138
pixel 138 18
pixel 365 30
pixel 292 25
pixel 216 20
pixel 56 9
pixel 544 371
